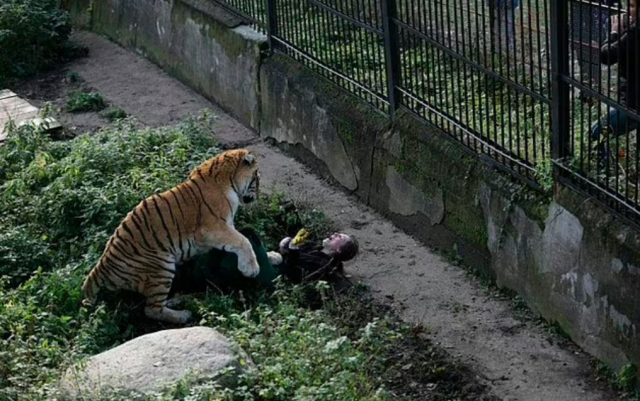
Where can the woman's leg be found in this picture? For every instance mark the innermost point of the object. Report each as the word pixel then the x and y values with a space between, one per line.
pixel 620 124
pixel 616 124
pixel 610 122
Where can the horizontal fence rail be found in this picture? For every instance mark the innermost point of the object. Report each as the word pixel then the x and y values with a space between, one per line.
pixel 253 12
pixel 532 84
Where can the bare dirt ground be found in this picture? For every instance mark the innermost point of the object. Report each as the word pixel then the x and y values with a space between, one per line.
pixel 519 359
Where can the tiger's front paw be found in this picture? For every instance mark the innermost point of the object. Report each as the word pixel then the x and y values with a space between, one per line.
pixel 250 269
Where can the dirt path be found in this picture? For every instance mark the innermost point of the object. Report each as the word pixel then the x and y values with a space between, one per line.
pixel 518 359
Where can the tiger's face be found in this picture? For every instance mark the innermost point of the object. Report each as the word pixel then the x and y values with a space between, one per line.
pixel 247 179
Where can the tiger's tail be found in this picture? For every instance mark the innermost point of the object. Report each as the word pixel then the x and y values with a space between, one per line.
pixel 90 288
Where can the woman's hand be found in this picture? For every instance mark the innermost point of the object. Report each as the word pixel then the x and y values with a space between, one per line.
pixel 617 23
pixel 284 245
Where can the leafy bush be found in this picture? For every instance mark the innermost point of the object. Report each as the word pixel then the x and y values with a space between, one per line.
pixel 80 101
pixel 59 202
pixel 70 196
pixel 304 354
pixel 33 35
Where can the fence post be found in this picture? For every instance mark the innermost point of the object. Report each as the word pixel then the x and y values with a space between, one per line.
pixel 560 91
pixel 272 23
pixel 392 53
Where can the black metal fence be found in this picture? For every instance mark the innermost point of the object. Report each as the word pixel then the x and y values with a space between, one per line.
pixel 530 84
pixel 601 88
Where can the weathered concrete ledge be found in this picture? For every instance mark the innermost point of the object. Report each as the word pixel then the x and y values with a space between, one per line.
pixel 568 258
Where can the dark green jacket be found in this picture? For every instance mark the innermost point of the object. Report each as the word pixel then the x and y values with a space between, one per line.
pixel 220 269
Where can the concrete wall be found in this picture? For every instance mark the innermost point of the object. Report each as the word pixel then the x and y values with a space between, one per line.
pixel 194 40
pixel 567 257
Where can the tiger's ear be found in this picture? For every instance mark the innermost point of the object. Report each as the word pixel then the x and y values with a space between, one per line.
pixel 249 159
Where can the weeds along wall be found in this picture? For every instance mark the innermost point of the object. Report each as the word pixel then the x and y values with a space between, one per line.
pixel 568 257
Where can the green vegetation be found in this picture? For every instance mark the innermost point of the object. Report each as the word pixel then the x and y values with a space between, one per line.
pixel 33 36
pixel 73 77
pixel 82 101
pixel 625 380
pixel 114 113
pixel 60 201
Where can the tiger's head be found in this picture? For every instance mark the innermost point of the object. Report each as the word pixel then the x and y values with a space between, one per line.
pixel 236 168
pixel 247 178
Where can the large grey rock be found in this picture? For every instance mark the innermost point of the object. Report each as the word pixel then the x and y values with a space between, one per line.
pixel 152 362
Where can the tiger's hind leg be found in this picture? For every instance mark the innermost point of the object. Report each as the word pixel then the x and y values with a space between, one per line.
pixel 156 306
pixel 174 301
pixel 167 315
pixel 159 311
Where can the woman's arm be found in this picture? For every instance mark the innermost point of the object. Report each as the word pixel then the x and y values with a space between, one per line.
pixel 610 50
pixel 616 43
pixel 284 245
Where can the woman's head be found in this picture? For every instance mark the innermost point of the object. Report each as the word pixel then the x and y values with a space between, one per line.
pixel 341 246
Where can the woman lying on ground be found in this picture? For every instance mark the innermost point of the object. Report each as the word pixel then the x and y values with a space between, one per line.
pixel 299 260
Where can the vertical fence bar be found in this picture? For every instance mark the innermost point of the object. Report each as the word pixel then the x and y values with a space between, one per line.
pixel 392 53
pixel 560 91
pixel 272 23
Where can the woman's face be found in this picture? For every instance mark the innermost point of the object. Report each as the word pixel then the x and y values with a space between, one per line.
pixel 335 242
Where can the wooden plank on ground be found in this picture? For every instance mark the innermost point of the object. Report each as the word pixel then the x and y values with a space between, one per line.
pixel 13 108
pixel 5 93
pixel 10 103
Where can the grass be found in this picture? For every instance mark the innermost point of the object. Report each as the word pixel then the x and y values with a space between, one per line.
pixel 60 201
pixel 114 113
pixel 83 101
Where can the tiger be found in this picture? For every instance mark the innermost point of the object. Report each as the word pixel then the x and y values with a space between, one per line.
pixel 171 227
